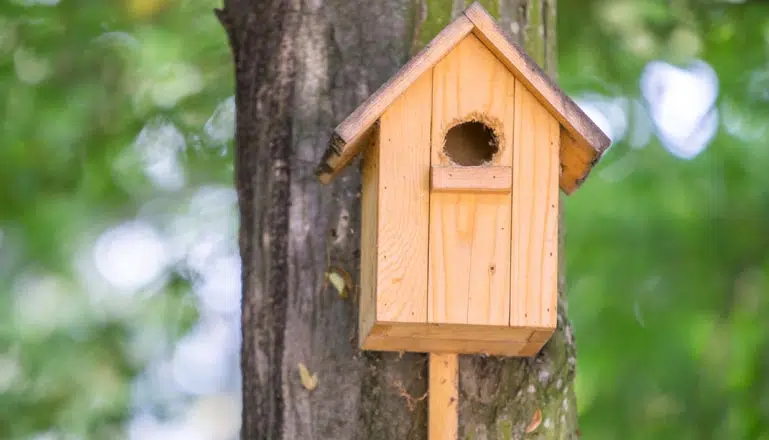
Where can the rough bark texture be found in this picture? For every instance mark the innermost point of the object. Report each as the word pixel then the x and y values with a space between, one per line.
pixel 302 66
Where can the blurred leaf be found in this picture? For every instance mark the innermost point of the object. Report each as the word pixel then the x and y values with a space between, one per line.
pixel 309 382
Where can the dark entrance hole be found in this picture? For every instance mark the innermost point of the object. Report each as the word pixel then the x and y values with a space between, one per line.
pixel 471 143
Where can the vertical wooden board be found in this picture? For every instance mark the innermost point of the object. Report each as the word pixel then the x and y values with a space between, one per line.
pixel 368 244
pixel 471 81
pixel 577 159
pixel 443 411
pixel 534 278
pixel 404 204
pixel 469 274
pixel 469 258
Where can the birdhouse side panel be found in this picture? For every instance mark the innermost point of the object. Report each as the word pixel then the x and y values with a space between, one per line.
pixel 536 168
pixel 369 232
pixel 577 158
pixel 469 272
pixel 404 203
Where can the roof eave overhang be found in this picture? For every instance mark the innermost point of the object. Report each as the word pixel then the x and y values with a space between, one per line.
pixel 582 142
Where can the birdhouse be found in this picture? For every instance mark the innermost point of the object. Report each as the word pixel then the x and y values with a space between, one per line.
pixel 463 153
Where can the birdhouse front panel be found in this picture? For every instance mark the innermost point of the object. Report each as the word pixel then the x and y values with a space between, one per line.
pixel 464 152
pixel 460 205
pixel 472 115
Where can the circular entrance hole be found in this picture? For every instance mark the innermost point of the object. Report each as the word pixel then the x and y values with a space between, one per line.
pixel 471 143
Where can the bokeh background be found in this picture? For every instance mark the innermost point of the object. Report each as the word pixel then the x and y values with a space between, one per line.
pixel 119 270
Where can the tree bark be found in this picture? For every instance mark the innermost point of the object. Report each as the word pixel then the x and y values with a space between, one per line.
pixel 301 66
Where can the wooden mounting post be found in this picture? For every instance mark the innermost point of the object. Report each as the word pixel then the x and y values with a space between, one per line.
pixel 443 410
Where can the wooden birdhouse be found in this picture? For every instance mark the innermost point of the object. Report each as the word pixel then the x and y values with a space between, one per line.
pixel 464 151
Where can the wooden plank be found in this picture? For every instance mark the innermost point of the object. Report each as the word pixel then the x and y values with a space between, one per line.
pixel 404 205
pixel 534 279
pixel 531 349
pixel 566 111
pixel 450 338
pixel 474 179
pixel 469 274
pixel 443 411
pixel 469 332
pixel 576 162
pixel 541 335
pixel 368 244
pixel 352 134
pixel 460 346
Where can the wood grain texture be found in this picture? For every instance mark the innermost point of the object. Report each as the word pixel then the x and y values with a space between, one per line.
pixel 473 179
pixel 576 157
pixel 443 411
pixel 368 242
pixel 541 335
pixel 590 139
pixel 534 278
pixel 469 274
pixel 454 338
pixel 579 155
pixel 531 349
pixel 351 135
pixel 468 332
pixel 460 346
pixel 404 205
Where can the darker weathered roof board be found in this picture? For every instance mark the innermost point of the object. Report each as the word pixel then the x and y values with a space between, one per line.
pixel 582 142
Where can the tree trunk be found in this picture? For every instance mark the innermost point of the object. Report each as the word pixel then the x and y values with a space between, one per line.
pixel 302 66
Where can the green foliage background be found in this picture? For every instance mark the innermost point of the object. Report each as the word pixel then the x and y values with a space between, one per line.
pixel 667 259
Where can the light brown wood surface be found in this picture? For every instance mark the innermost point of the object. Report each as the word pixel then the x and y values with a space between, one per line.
pixel 456 338
pixel 460 346
pixel 541 335
pixel 473 179
pixel 588 139
pixel 355 130
pixel 368 242
pixel 580 150
pixel 404 203
pixel 468 332
pixel 575 158
pixel 535 214
pixel 444 397
pixel 469 276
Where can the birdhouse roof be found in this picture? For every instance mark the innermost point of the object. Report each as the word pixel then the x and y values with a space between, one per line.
pixel 582 142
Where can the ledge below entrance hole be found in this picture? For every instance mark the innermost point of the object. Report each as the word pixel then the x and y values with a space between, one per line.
pixel 472 179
